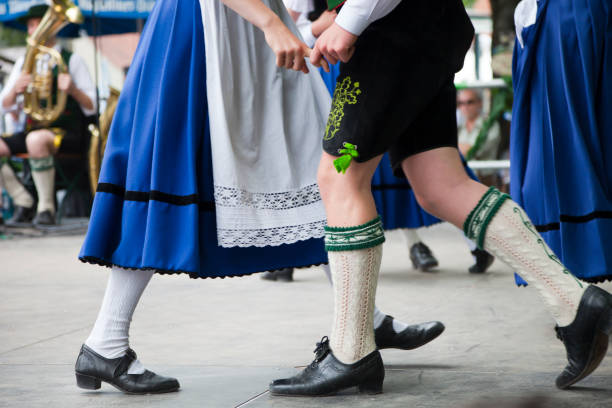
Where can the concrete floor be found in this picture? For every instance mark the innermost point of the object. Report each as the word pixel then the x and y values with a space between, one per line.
pixel 226 339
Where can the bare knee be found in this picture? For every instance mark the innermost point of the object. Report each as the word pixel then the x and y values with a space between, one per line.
pixel 4 150
pixel 336 186
pixel 40 143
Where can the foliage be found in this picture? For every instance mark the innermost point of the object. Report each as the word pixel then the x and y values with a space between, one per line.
pixel 468 3
pixel 10 37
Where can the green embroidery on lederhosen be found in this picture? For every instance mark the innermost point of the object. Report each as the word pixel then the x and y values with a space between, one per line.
pixel 344 93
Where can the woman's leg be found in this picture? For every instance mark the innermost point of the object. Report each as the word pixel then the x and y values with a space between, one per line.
pixel 106 355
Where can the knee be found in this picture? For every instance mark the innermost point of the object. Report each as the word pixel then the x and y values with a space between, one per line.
pixel 336 186
pixel 430 198
pixel 4 150
pixel 39 143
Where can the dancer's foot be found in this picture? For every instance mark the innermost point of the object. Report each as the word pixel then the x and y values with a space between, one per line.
pixel 326 375
pixel 21 216
pixel 408 338
pixel 91 369
pixel 483 261
pixel 586 339
pixel 44 218
pixel 422 258
pixel 285 275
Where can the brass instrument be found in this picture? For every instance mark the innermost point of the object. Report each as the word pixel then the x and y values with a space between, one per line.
pixel 99 137
pixel 38 97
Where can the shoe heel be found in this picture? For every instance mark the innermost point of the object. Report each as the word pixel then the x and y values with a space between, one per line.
pixel 372 386
pixel 87 382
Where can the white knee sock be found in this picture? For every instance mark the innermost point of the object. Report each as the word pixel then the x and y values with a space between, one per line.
pixel 14 188
pixel 503 229
pixel 43 174
pixel 411 235
pixel 379 316
pixel 354 254
pixel 110 334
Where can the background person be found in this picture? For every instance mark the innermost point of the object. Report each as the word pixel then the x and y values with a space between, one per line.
pixel 65 134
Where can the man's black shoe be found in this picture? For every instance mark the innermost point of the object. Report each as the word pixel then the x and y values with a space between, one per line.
pixel 22 216
pixel 285 275
pixel 326 375
pixel 586 339
pixel 44 218
pixel 91 369
pixel 422 258
pixel 483 261
pixel 410 338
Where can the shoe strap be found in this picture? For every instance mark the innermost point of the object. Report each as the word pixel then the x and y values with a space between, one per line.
pixel 125 363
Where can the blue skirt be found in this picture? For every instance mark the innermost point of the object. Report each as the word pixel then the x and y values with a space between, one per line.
pixel 394 198
pixel 155 208
pixel 561 149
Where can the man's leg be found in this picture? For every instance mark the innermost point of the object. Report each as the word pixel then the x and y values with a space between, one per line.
pixel 106 354
pixel 583 313
pixel 41 149
pixel 22 199
pixel 392 333
pixel 353 239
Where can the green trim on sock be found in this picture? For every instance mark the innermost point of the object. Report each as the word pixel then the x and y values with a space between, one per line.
pixel 475 225
pixel 41 164
pixel 363 236
pixel 489 217
pixel 358 227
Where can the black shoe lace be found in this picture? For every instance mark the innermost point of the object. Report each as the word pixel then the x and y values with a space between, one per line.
pixel 321 350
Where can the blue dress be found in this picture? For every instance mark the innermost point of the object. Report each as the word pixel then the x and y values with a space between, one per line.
pixel 394 198
pixel 561 144
pixel 155 207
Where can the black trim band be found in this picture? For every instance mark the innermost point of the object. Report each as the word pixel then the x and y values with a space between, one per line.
pixel 574 219
pixel 153 195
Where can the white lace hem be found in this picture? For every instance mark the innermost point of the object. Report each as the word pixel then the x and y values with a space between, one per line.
pixel 270 236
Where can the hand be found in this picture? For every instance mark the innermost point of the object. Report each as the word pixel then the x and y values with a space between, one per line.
pixel 322 23
pixel 334 44
pixel 290 52
pixel 22 83
pixel 64 82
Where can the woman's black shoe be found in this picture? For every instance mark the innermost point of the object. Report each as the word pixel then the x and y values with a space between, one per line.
pixel 586 339
pixel 483 261
pixel 326 375
pixel 285 275
pixel 91 369
pixel 422 258
pixel 411 337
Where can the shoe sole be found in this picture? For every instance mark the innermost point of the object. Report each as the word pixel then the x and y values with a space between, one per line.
pixel 88 382
pixel 599 349
pixel 424 268
pixel 361 389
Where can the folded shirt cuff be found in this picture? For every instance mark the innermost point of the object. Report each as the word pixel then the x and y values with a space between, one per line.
pixel 351 22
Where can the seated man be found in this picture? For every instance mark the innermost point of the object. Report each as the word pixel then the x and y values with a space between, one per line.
pixel 65 134
pixel 469 103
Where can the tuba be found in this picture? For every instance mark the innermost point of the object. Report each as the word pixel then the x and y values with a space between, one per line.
pixel 38 97
pixel 99 136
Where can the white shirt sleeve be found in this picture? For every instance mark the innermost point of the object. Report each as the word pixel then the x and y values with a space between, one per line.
pixel 301 6
pixel 305 27
pixel 82 80
pixel 356 15
pixel 525 15
pixel 9 84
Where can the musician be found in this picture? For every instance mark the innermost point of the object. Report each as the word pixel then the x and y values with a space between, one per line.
pixel 65 134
